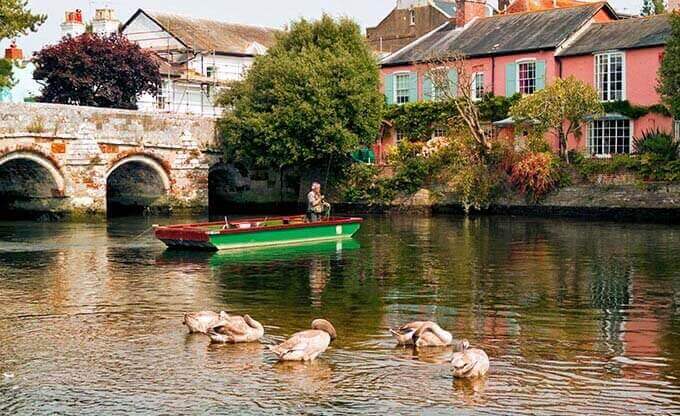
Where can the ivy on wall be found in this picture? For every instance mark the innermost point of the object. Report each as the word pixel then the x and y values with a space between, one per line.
pixel 625 108
pixel 417 121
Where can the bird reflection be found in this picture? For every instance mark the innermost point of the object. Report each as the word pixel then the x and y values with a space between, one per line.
pixel 470 390
pixel 306 377
pixel 431 355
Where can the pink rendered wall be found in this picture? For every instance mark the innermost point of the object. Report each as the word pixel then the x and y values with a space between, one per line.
pixel 642 66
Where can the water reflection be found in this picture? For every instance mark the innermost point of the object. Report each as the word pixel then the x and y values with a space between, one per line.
pixel 577 317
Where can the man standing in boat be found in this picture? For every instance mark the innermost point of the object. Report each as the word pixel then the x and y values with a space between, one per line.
pixel 317 207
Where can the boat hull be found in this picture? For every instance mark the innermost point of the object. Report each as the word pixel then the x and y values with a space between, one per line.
pixel 203 237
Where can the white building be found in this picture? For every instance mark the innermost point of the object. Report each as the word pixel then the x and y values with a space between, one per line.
pixel 197 57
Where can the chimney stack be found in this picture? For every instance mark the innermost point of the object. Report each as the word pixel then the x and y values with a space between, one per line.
pixel 13 53
pixel 466 10
pixel 73 24
pixel 105 22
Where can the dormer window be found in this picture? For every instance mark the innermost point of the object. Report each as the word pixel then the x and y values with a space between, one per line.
pixel 412 17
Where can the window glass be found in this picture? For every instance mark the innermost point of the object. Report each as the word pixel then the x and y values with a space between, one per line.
pixel 526 77
pixel 609 76
pixel 608 137
pixel 402 89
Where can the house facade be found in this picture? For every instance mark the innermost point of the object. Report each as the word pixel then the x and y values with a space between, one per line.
pixel 197 57
pixel 524 52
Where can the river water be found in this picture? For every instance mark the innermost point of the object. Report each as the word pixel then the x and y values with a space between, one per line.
pixel 577 318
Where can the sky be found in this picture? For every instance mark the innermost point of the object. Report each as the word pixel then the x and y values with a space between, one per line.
pixel 276 13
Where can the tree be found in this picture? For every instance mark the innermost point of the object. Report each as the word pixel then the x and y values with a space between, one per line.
pixel 560 108
pixel 459 91
pixel 669 72
pixel 15 20
pixel 652 7
pixel 96 71
pixel 312 100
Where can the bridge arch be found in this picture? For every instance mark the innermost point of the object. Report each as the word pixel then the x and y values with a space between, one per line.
pixel 46 167
pixel 136 183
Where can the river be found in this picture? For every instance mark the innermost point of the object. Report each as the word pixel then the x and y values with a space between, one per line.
pixel 577 318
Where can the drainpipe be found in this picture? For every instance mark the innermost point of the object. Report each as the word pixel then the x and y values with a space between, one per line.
pixel 493 75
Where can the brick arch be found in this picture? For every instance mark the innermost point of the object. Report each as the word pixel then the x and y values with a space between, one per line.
pixel 153 162
pixel 41 159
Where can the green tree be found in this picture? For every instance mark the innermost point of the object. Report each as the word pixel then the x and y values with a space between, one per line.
pixel 313 98
pixel 669 72
pixel 15 20
pixel 560 108
pixel 652 7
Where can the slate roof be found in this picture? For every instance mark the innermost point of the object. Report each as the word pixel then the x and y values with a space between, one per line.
pixel 622 34
pixel 209 35
pixel 447 7
pixel 501 34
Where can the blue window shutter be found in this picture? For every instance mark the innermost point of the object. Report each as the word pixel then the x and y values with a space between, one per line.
pixel 413 88
pixel 453 82
pixel 389 88
pixel 427 88
pixel 540 75
pixel 510 79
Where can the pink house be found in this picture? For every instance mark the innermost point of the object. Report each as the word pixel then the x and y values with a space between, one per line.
pixel 523 52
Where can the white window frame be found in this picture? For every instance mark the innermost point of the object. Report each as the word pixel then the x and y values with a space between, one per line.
pixel 517 82
pixel 412 17
pixel 399 136
pixel 676 130
pixel 589 142
pixel 438 132
pixel 474 86
pixel 597 74
pixel 396 87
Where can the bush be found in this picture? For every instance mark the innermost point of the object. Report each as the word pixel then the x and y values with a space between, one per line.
pixel 536 175
pixel 410 168
pixel 476 185
pixel 363 184
pixel 657 143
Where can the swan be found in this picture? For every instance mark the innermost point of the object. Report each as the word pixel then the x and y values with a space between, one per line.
pixel 470 362
pixel 422 334
pixel 236 329
pixel 306 345
pixel 201 322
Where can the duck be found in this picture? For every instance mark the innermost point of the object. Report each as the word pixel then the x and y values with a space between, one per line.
pixel 236 329
pixel 201 322
pixel 470 362
pixel 306 345
pixel 422 334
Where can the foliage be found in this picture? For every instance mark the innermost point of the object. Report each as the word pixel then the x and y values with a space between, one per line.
pixel 536 174
pixel 96 71
pixel 494 108
pixel 631 111
pixel 560 108
pixel 418 120
pixel 313 99
pixel 652 7
pixel 364 184
pixel 669 72
pixel 657 143
pixel 17 20
pixel 6 79
pixel 410 168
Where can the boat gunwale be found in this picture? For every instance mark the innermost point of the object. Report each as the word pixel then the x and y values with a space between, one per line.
pixel 195 228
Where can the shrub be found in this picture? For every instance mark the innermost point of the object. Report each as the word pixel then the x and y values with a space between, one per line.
pixel 410 168
pixel 475 185
pixel 657 143
pixel 536 175
pixel 363 184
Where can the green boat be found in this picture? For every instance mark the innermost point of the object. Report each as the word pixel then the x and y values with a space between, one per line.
pixel 256 232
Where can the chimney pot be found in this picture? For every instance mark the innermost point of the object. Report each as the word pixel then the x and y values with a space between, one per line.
pixel 13 53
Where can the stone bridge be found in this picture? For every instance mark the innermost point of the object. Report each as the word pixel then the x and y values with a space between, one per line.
pixel 61 158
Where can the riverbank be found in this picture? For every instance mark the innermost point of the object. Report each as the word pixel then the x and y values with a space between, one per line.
pixel 641 202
